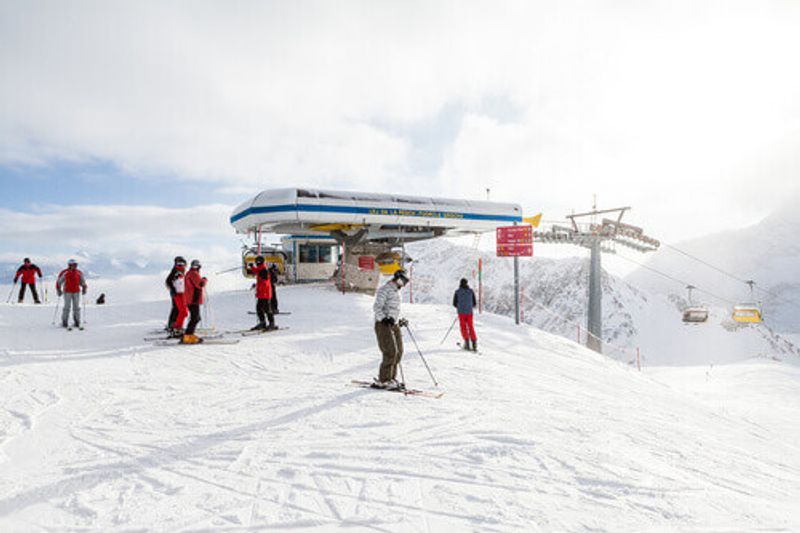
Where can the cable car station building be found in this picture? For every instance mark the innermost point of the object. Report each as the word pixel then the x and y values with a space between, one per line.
pixel 355 237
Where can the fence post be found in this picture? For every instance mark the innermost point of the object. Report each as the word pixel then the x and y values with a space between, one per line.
pixel 480 285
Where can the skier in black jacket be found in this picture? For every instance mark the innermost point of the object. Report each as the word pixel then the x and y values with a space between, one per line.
pixel 173 312
pixel 273 277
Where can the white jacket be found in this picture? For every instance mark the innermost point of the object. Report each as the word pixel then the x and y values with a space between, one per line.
pixel 387 302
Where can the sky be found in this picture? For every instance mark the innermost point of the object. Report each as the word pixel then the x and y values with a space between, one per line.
pixel 164 112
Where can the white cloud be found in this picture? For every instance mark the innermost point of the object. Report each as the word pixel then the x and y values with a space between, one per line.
pixel 149 236
pixel 687 111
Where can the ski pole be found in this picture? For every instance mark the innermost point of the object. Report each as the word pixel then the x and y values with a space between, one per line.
pixel 435 384
pixel 449 330
pixel 402 374
pixel 55 313
pixel 83 299
pixel 11 292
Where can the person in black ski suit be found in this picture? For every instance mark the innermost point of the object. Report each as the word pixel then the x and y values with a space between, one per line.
pixel 173 312
pixel 273 278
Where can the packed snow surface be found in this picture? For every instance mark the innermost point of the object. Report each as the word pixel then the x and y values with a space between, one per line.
pixel 101 430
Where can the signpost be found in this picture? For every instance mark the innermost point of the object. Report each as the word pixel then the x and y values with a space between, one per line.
pixel 515 241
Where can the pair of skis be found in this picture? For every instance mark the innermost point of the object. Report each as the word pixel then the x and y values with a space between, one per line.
pixel 408 392
pixel 216 339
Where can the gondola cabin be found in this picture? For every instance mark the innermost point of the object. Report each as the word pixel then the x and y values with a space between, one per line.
pixel 747 313
pixel 695 315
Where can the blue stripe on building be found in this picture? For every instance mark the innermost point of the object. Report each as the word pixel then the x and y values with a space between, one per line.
pixel 372 211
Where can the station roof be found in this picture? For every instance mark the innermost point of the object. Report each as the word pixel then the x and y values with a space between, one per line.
pixel 295 210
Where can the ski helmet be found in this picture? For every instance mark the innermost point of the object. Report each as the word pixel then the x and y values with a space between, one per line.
pixel 196 263
pixel 259 260
pixel 179 259
pixel 72 262
pixel 400 275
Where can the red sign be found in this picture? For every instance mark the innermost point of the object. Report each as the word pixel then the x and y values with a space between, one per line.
pixel 366 262
pixel 515 241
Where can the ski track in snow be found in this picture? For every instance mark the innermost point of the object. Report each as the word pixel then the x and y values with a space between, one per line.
pixel 101 430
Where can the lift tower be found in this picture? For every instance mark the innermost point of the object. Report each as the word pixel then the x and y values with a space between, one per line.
pixel 598 237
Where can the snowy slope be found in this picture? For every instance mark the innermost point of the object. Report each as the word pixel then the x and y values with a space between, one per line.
pixel 554 298
pixel 100 430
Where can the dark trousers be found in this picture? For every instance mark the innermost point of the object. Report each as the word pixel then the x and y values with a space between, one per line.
pixel 33 291
pixel 173 313
pixel 264 311
pixel 390 341
pixel 194 318
pixel 274 300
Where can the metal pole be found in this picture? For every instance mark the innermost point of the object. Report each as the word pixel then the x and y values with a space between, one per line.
pixel 344 258
pixel 480 285
pixel 449 330
pixel 55 313
pixel 595 314
pixel 516 290
pixel 435 384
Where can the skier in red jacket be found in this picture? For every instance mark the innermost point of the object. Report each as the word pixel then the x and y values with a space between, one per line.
pixel 71 284
pixel 195 286
pixel 28 272
pixel 263 296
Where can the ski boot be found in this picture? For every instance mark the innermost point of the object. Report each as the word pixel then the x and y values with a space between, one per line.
pixel 175 333
pixel 392 384
pixel 376 384
pixel 466 345
pixel 259 327
pixel 475 345
pixel 191 339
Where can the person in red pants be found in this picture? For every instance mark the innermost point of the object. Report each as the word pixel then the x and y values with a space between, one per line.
pixel 464 301
pixel 177 286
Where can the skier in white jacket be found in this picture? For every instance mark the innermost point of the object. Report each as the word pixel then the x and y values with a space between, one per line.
pixel 387 330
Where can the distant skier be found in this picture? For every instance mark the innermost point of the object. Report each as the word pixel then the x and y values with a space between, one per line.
pixel 387 330
pixel 101 300
pixel 273 281
pixel 264 291
pixel 195 285
pixel 177 286
pixel 28 272
pixel 70 283
pixel 173 311
pixel 464 301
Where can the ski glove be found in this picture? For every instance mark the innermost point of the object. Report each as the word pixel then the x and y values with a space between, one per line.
pixel 59 292
pixel 402 322
pixel 388 321
pixel 83 291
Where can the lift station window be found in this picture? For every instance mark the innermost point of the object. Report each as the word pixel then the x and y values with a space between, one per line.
pixel 316 253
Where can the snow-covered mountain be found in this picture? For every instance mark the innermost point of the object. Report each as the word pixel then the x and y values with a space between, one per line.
pixel 768 252
pixel 554 298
